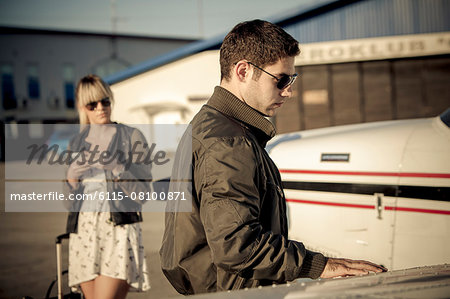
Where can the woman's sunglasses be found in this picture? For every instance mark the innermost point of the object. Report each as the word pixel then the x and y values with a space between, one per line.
pixel 106 102
pixel 282 82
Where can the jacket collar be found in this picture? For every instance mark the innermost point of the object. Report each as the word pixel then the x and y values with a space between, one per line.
pixel 227 103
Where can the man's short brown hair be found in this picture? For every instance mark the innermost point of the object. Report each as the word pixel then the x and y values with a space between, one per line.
pixel 257 41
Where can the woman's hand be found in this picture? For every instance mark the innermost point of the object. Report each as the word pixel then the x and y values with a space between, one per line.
pixel 76 169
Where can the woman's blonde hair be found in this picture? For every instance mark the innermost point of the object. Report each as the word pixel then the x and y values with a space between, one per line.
pixel 91 88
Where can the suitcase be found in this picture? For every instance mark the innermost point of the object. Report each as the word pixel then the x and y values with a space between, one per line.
pixel 60 273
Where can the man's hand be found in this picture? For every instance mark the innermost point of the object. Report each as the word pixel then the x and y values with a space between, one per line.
pixel 345 267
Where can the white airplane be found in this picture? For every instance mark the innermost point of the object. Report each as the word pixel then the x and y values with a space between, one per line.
pixel 377 191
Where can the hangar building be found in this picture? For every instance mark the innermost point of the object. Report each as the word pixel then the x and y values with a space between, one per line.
pixel 361 61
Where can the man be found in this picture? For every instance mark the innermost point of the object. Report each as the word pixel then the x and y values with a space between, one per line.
pixel 236 235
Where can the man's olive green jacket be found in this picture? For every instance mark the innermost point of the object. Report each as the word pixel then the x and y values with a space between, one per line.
pixel 236 235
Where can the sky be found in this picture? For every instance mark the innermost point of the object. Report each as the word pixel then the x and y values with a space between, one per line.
pixel 167 18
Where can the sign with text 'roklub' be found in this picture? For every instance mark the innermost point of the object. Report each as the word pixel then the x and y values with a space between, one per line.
pixel 378 48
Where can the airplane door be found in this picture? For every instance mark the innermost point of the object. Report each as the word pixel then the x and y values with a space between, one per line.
pixel 370 234
pixel 357 226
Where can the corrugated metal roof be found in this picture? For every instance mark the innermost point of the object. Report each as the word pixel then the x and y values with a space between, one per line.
pixel 373 18
pixel 331 20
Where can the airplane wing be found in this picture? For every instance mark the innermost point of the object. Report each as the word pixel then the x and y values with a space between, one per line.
pixel 420 282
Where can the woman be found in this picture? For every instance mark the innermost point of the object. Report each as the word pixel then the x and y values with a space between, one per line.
pixel 106 256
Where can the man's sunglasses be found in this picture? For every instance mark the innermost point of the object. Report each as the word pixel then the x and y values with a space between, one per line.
pixel 282 82
pixel 106 102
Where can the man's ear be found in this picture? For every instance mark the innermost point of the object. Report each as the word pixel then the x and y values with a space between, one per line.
pixel 242 70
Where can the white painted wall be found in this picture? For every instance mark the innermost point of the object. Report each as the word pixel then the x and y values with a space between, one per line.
pixel 164 91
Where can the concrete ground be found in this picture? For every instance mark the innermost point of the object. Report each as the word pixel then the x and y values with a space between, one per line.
pixel 28 258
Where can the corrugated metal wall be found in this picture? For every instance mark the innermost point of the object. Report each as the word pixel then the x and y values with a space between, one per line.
pixel 372 18
pixel 365 91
